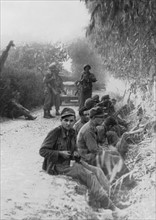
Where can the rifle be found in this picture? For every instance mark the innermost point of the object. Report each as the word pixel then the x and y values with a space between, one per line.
pixel 4 55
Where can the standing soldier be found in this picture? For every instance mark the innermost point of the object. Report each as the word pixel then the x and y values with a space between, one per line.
pixel 48 92
pixel 86 81
pixel 57 88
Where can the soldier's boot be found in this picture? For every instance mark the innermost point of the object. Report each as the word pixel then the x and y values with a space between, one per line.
pixel 50 115
pixel 30 117
pixel 46 115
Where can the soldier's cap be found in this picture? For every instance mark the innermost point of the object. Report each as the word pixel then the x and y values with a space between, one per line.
pixel 95 97
pixel 52 65
pixel 105 97
pixel 86 65
pixel 96 112
pixel 114 100
pixel 67 112
pixel 89 103
pixel 81 111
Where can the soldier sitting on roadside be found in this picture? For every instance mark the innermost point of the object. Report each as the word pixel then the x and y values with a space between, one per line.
pixel 84 118
pixel 16 109
pixel 95 98
pixel 89 103
pixel 59 148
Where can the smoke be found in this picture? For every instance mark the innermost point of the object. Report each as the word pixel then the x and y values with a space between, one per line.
pixel 115 87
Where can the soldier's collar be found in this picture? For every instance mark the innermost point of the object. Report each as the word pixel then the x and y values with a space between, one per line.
pixel 66 133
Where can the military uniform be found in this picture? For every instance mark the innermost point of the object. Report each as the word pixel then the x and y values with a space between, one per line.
pixel 15 109
pixel 48 94
pixel 78 125
pixel 86 81
pixel 59 139
pixel 91 152
pixel 87 143
pixel 58 88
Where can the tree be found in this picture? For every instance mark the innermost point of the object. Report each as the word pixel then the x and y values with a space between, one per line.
pixel 124 33
pixel 33 56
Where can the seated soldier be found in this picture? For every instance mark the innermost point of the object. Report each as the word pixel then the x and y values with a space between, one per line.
pixel 59 148
pixel 120 144
pixel 105 103
pixel 122 123
pixel 84 118
pixel 95 98
pixel 89 103
pixel 87 138
pixel 17 110
pixel 111 124
pixel 112 106
pixel 93 153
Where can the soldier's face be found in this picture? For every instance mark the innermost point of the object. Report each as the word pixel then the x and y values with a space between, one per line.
pixel 85 116
pixel 87 68
pixel 68 122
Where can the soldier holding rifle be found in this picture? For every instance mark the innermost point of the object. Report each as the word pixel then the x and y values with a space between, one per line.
pixel 86 81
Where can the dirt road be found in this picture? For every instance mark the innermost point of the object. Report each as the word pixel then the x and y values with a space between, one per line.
pixel 26 191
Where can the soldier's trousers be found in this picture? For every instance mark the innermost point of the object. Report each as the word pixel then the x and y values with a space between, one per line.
pixel 57 101
pixel 94 179
pixel 48 100
pixel 18 110
pixel 83 97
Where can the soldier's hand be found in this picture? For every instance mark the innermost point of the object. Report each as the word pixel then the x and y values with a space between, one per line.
pixel 76 154
pixel 65 154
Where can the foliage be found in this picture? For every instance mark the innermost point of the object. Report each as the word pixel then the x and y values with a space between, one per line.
pixel 27 83
pixel 124 32
pixel 23 72
pixel 37 56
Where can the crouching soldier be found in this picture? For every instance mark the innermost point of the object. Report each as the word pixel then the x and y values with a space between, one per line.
pixel 59 148
pixel 84 118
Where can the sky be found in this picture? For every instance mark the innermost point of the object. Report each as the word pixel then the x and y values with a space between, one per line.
pixel 42 21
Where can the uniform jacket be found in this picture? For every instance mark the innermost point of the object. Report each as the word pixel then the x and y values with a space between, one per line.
pixel 86 81
pixel 87 142
pixel 57 140
pixel 78 125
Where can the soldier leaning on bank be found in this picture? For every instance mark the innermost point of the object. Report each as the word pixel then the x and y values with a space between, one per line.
pixel 86 81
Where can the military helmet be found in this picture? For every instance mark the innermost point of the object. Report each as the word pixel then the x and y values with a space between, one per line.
pixel 95 98
pixel 89 103
pixel 105 97
pixel 86 65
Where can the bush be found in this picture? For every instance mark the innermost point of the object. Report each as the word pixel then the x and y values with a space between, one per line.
pixel 27 82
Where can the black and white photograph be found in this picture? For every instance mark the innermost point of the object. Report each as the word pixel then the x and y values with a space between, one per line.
pixel 78 110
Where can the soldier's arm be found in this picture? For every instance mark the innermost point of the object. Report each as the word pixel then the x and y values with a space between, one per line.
pixel 93 78
pixel 48 79
pixel 48 147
